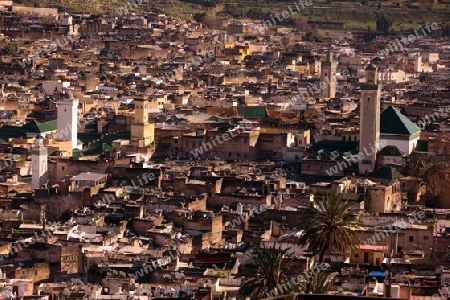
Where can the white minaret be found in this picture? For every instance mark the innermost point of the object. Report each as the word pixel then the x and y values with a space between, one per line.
pixel 68 120
pixel 39 170
pixel 369 129
pixel 418 63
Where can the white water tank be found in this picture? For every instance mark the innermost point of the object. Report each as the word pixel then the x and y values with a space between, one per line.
pixel 240 209
pixel 395 291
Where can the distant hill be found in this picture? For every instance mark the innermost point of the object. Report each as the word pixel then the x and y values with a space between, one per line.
pixel 355 14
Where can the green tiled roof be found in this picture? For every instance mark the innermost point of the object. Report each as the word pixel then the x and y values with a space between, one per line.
pixel 392 121
pixel 47 126
pixel 7 131
pixel 86 137
pixel 334 154
pixel 391 151
pixel 332 150
pixel 387 172
pixel 79 153
pixel 99 145
pixel 348 154
pixel 35 126
pixel 252 112
pixel 106 147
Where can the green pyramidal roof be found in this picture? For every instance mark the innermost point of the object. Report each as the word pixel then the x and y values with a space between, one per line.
pixel 387 172
pixel 35 126
pixel 391 151
pixel 8 131
pixel 252 112
pixel 392 121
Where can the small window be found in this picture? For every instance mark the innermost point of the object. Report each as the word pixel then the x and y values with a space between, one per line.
pixel 411 238
pixel 425 237
pixel 356 255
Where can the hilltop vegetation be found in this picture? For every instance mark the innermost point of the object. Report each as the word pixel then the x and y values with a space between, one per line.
pixel 355 14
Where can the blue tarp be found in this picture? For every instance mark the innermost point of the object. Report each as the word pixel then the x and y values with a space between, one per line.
pixel 378 273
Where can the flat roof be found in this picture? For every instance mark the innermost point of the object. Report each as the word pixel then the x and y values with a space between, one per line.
pixel 30 226
pixel 90 176
pixel 372 247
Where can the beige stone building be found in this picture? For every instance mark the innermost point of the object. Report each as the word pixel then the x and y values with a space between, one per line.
pixel 384 198
pixel 142 129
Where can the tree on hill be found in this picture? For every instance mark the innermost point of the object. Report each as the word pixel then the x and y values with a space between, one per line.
pixel 384 23
pixel 200 16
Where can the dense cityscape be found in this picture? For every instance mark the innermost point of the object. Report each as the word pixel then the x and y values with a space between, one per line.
pixel 202 149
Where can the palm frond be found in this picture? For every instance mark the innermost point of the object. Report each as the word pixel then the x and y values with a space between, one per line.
pixel 329 227
pixel 273 267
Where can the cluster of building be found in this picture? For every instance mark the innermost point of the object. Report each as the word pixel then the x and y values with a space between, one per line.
pixel 135 156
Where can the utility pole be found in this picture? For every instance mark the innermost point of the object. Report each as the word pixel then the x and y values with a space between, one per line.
pixel 387 287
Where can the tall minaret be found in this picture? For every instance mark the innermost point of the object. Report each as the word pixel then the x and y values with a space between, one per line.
pixel 68 120
pixel 38 164
pixel 142 131
pixel 369 131
pixel 328 76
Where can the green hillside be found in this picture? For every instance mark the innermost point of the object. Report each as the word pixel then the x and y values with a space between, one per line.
pixel 355 14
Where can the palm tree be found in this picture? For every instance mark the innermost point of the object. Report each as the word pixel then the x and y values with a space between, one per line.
pixel 273 267
pixel 329 227
pixel 319 283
